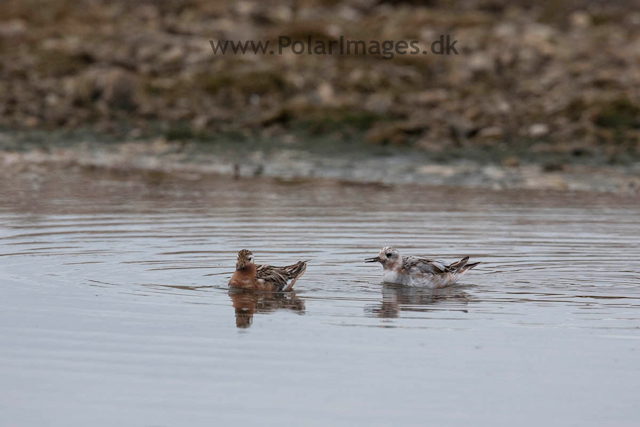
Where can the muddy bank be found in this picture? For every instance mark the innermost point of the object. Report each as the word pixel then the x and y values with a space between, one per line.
pixel 291 161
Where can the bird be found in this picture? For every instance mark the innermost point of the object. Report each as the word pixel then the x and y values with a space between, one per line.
pixel 264 277
pixel 418 270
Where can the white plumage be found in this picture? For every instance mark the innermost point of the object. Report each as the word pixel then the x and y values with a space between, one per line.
pixel 419 271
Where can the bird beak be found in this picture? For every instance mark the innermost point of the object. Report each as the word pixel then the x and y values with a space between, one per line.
pixel 376 259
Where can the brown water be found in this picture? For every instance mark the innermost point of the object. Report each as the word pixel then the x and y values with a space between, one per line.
pixel 114 308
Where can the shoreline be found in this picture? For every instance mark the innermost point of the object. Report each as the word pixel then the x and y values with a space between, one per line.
pixel 193 160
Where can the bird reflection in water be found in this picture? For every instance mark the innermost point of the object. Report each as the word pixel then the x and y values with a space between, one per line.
pixel 397 298
pixel 247 302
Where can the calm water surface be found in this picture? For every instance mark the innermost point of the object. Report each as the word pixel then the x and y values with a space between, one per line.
pixel 114 308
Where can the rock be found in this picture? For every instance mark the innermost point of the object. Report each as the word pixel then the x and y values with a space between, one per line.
pixel 13 28
pixel 172 55
pixel 245 8
pixel 553 167
pixel 538 130
pixel 200 123
pixel 116 87
pixel 506 30
pixel 580 19
pixel 31 122
pixel 438 170
pixel 480 62
pixel 412 126
pixel 490 133
pixel 326 93
pixel 462 129
pixel 276 115
pixel 379 103
pixel 510 162
pixel 428 97
pixel 289 139
pixel 493 172
pixel 349 13
pixel 431 144
pixel 281 13
pixel 384 133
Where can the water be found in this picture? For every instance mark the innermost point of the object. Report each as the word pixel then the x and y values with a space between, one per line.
pixel 114 308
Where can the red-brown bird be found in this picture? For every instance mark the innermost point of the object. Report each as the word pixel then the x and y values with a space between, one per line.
pixel 264 277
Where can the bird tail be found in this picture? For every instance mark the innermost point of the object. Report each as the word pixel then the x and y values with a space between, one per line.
pixel 462 266
pixel 294 272
pixel 468 267
pixel 458 265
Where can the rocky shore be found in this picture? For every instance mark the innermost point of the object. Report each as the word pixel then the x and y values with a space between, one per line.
pixel 562 77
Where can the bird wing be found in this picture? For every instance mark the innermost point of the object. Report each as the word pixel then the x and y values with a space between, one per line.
pixel 425 265
pixel 279 276
pixel 270 274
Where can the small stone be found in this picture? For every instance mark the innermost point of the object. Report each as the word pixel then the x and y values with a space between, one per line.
pixel 289 139
pixel 438 170
pixel 634 18
pixel 429 97
pixel 493 132
pixel 349 14
pixel 380 134
pixel 553 167
pixel 461 129
pixel 172 55
pixel 52 100
pixel 334 30
pixel 398 139
pixel 13 28
pixel 276 115
pixel 379 103
pixel 432 144
pixel 281 13
pixel 200 122
pixel 31 122
pixel 493 172
pixel 245 8
pixel 481 62
pixel 510 162
pixel 326 93
pixel 538 130
pixel 580 19
pixel 506 30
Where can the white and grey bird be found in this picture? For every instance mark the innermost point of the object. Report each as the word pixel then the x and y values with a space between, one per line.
pixel 419 271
